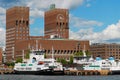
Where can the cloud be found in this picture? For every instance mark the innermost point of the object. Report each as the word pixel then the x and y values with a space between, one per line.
pixel 38 7
pixel 2 37
pixel 78 22
pixel 2 26
pixel 88 5
pixel 2 11
pixel 37 31
pixel 2 16
pixel 110 34
pixel 36 13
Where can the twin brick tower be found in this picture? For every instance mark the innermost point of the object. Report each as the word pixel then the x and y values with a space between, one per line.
pixel 56 34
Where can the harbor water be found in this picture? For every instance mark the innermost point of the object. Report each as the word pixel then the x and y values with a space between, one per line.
pixel 47 77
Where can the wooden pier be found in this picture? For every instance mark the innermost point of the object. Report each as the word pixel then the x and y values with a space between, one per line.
pixel 87 72
pixel 6 70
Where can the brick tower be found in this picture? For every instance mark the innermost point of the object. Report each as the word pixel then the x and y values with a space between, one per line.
pixel 17 28
pixel 56 23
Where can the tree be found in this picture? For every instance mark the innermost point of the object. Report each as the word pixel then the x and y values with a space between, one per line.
pixel 81 53
pixel 10 64
pixel 58 60
pixel 71 60
pixel 78 53
pixel 63 61
pixel 19 60
pixel 27 56
pixel 87 53
pixel 45 55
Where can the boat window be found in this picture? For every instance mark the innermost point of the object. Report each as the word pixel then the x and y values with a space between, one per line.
pixel 38 68
pixel 23 64
pixel 30 64
pixel 40 62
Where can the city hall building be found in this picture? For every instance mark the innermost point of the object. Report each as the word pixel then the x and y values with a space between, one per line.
pixel 56 34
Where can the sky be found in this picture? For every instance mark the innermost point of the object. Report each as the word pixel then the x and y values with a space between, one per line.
pixel 95 20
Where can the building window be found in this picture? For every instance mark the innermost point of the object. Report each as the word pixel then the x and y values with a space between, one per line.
pixel 20 22
pixel 27 23
pixel 23 21
pixel 57 23
pixel 16 22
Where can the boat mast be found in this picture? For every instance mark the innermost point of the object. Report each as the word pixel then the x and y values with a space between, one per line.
pixel 36 44
pixel 84 54
pixel 23 55
pixel 53 55
pixel 13 53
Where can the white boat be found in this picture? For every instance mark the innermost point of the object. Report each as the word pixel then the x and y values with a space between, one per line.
pixel 104 64
pixel 37 64
pixel 88 63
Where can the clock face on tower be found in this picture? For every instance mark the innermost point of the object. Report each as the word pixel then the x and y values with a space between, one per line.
pixel 60 17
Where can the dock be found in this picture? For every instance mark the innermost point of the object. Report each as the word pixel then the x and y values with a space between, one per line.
pixel 87 72
pixel 6 70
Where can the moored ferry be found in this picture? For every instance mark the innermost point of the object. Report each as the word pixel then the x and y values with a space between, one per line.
pixel 98 64
pixel 37 64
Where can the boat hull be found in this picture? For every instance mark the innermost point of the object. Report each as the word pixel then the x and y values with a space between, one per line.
pixel 114 72
pixel 41 72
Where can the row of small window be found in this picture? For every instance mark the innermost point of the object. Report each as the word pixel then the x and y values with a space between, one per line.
pixel 9 49
pixel 22 31
pixel 22 28
pixel 10 32
pixel 113 46
pixel 60 51
pixel 10 29
pixel 10 38
pixel 22 38
pixel 22 35
pixel 61 24
pixel 59 34
pixel 22 22
pixel 10 42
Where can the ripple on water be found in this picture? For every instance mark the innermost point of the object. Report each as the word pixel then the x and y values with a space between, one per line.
pixel 44 77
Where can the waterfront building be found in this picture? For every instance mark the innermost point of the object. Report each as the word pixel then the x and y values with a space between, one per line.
pixel 105 50
pixel 56 34
pixel 62 48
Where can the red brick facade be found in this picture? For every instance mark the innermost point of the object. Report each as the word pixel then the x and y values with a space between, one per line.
pixel 62 48
pixel 18 39
pixel 105 50
pixel 17 27
pixel 57 23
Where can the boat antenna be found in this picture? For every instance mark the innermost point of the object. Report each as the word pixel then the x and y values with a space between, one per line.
pixel 40 47
pixel 13 53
